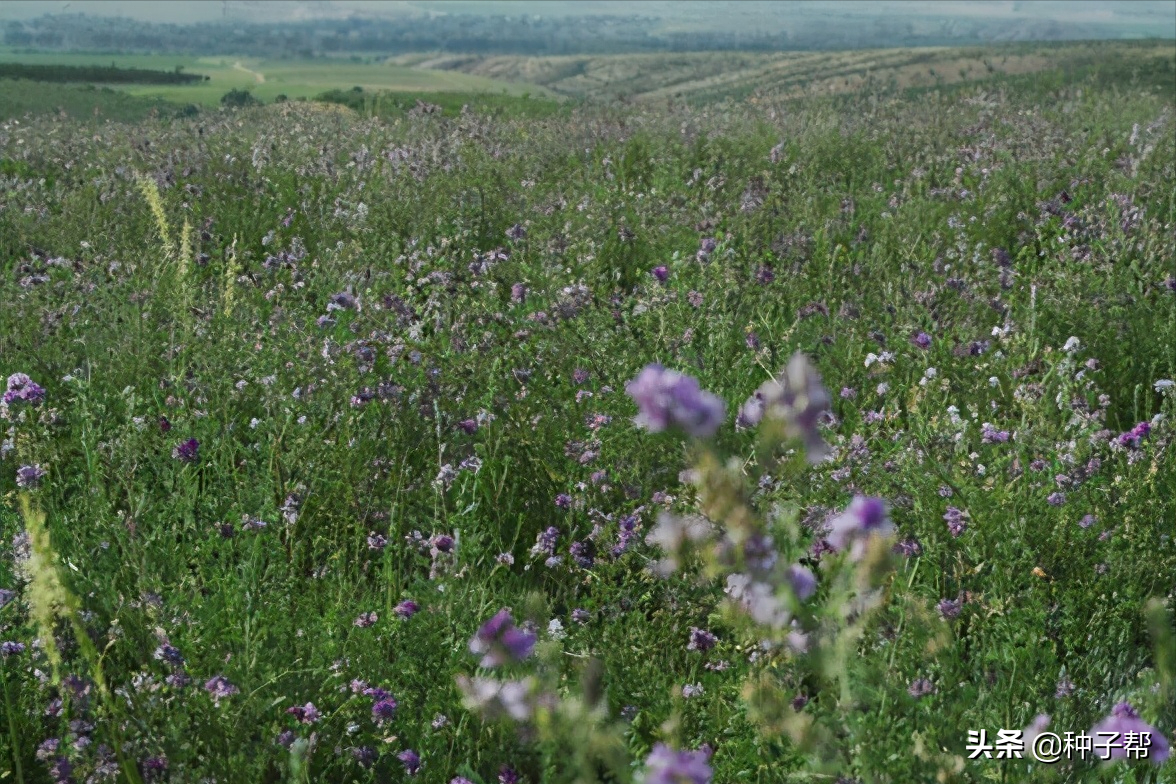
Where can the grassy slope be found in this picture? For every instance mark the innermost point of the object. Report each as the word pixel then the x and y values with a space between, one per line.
pixel 712 74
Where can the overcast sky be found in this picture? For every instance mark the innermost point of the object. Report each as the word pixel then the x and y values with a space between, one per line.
pixel 1113 12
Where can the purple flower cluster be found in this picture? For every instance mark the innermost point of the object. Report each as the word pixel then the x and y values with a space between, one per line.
pixel 29 476
pixel 1133 438
pixel 955 521
pixel 188 451
pixel 22 389
pixel 499 641
pixel 219 687
pixel 666 398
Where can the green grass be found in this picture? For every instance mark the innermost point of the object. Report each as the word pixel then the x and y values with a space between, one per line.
pixel 341 332
pixel 294 79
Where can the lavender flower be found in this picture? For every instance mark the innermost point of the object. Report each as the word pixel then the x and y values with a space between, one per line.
pixel 921 340
pixel 1124 720
pixel 662 273
pixel 1056 499
pixel 499 641
pixel 666 398
pixel 666 766
pixel 949 608
pixel 366 619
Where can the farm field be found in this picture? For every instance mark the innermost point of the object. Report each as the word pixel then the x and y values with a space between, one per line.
pixel 268 79
pixel 755 429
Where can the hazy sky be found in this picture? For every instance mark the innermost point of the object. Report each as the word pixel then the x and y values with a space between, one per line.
pixel 1161 12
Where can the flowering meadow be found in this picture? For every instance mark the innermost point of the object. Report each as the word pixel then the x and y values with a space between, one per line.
pixel 752 441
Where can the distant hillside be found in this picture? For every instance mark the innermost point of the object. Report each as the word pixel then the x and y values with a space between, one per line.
pixel 706 75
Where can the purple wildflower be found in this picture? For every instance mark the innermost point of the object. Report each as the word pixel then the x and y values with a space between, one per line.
pixel 990 435
pixel 22 389
pixel 170 654
pixel 563 501
pixel 861 519
pixel 949 608
pixel 518 293
pixel 798 399
pixel 411 761
pixel 908 547
pixel 384 708
pixel 9 648
pixel 1087 521
pixel 581 616
pixel 188 451
pixel 666 766
pixel 499 641
pixel 305 714
pixel 921 340
pixel 365 756
pixel 366 619
pixel 1056 499
pixel 802 580
pixel 286 738
pixel 920 687
pixel 545 542
pixel 220 688
pixel 955 521
pixel 507 775
pixel 662 273
pixel 407 608
pixel 1123 721
pixel 468 426
pixel 701 640
pixel 666 398
pixel 583 553
pixel 30 476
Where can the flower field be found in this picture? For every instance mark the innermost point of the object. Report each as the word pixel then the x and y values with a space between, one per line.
pixel 795 440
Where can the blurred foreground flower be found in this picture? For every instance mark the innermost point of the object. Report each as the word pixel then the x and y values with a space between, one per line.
pixel 499 641
pixel 1148 742
pixel 666 766
pixel 666 398
pixel 797 399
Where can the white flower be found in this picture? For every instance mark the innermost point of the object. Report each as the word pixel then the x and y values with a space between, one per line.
pixel 871 358
pixel 556 629
pixel 993 381
pixel 1164 383
pixel 1072 345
